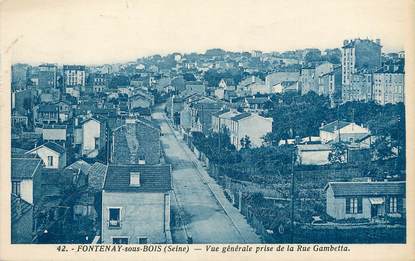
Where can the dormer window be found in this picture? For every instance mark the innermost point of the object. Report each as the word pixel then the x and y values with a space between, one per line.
pixel 135 179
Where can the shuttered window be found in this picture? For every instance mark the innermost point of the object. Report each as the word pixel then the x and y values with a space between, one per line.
pixel 354 205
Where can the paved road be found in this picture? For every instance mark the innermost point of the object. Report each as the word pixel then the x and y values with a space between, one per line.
pixel 204 215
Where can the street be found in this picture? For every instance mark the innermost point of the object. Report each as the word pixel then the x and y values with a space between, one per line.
pixel 207 215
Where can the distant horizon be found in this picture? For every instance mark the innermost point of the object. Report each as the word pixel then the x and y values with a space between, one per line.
pixel 35 63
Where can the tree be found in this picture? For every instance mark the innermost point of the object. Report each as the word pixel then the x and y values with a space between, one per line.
pixel 246 142
pixel 382 148
pixel 338 153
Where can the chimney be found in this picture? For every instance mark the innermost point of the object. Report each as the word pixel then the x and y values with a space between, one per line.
pixel 378 41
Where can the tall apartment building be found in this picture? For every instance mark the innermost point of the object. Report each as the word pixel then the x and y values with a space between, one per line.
pixel 74 75
pixel 389 84
pixel 358 55
pixel 19 76
pixel 47 76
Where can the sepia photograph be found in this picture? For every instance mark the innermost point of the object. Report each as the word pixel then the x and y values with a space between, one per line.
pixel 168 124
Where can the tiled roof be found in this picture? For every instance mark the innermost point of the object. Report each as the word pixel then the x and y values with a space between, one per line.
pixel 335 125
pixel 24 168
pixel 19 207
pixel 54 126
pixel 153 178
pixel 393 68
pixel 80 165
pixel 54 146
pixel 229 81
pixel 148 122
pixel 96 176
pixel 194 83
pixel 258 100
pixel 241 116
pixel 220 112
pixel 287 83
pixel 54 181
pixel 48 108
pixel 137 140
pixel 314 147
pixel 352 43
pixel 142 111
pixel 367 188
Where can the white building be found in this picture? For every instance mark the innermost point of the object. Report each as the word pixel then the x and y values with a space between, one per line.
pixel 341 130
pixel 241 125
pixel 52 154
pixel 93 137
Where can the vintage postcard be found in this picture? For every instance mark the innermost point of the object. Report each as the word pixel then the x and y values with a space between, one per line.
pixel 278 130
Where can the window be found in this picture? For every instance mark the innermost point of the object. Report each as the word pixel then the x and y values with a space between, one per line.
pixel 393 205
pixel 135 179
pixel 16 187
pixel 96 142
pixel 142 240
pixel 114 220
pixel 120 240
pixel 50 160
pixel 354 205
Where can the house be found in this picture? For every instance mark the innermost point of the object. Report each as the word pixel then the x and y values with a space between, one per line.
pixel 389 84
pixel 250 86
pixel 241 125
pixel 52 154
pixel 65 111
pixel 226 83
pixel 225 86
pixel 313 154
pixel 80 165
pixel 365 200
pixel 197 114
pixel 19 121
pixel 136 142
pixel 21 220
pixel 330 84
pixel 174 106
pixel 309 79
pixel 342 130
pixel 93 136
pixel 89 202
pixel 46 113
pixel 141 112
pixel 256 103
pixel 139 101
pixel 96 176
pixel 164 85
pixel 221 120
pixel 25 177
pixel 279 77
pixel 54 132
pixel 285 86
pixel 136 204
pixel 360 87
pixel 194 87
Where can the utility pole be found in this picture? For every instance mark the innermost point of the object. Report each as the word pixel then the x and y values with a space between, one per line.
pixel 293 157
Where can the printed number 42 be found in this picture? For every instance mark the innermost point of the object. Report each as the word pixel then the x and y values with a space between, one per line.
pixel 61 248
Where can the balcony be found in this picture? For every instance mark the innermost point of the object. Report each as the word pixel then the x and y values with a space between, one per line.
pixel 114 224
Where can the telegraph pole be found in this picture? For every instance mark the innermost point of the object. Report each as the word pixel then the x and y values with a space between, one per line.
pixel 293 156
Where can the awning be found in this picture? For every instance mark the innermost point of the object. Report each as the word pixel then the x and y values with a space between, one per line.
pixel 376 201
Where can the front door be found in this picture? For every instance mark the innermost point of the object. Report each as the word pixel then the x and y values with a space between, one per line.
pixel 374 211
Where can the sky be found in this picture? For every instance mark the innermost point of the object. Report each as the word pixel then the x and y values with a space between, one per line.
pixel 106 31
